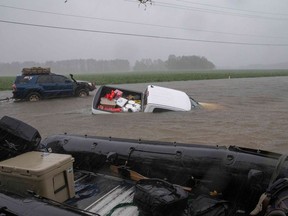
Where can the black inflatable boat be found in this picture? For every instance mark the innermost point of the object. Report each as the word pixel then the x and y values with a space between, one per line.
pixel 89 175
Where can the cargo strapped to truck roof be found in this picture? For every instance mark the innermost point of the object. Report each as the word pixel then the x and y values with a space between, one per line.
pixel 35 71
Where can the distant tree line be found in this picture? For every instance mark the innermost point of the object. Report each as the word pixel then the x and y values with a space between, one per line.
pixel 182 63
pixel 70 66
pixel 86 66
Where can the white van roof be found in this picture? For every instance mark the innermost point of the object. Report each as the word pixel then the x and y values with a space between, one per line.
pixel 170 98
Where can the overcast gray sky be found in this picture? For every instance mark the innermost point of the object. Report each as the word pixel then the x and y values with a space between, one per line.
pixel 229 33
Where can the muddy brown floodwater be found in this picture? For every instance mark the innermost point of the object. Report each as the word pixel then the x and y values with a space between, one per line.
pixel 250 112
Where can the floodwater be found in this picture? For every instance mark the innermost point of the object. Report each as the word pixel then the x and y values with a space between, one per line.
pixel 250 112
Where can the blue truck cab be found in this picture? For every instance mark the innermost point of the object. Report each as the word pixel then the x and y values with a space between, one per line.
pixel 38 83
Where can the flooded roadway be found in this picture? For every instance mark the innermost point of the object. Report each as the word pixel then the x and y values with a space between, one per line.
pixel 250 112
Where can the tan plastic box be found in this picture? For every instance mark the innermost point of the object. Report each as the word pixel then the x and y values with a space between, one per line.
pixel 49 175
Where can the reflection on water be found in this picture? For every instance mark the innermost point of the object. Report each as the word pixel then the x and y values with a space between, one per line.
pixel 245 112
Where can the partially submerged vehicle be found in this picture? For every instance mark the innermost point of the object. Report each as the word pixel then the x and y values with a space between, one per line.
pixel 89 175
pixel 37 83
pixel 110 99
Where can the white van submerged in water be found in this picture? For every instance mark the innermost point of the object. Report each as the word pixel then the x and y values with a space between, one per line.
pixel 110 99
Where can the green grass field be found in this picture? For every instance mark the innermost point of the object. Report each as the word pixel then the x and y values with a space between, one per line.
pixel 145 77
pixel 6 83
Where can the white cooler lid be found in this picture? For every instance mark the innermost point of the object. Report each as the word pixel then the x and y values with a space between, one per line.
pixel 34 163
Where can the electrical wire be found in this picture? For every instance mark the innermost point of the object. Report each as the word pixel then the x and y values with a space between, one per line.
pixel 205 10
pixel 136 23
pixel 229 8
pixel 139 35
pixel 182 7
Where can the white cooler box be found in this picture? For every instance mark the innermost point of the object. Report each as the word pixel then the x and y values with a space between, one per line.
pixel 49 175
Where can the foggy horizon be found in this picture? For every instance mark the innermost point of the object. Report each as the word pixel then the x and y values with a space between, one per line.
pixel 229 34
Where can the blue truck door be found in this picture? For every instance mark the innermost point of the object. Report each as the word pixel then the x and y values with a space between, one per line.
pixel 62 86
pixel 45 84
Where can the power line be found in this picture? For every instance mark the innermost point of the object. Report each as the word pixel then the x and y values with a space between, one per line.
pixel 205 10
pixel 185 7
pixel 229 8
pixel 140 35
pixel 135 23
